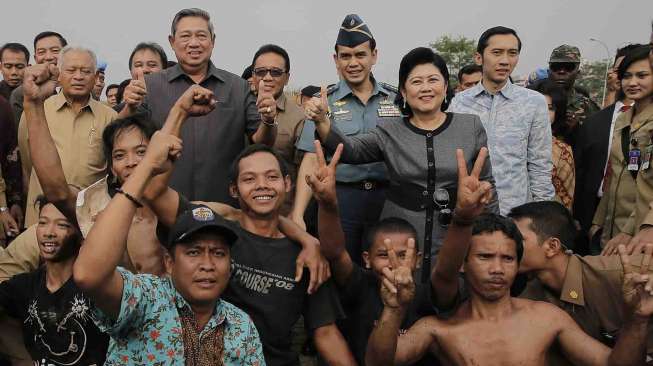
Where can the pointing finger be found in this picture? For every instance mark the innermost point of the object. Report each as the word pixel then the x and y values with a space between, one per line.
pixel 321 161
pixel 625 260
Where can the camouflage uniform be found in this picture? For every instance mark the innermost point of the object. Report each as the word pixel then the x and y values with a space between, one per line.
pixel 579 106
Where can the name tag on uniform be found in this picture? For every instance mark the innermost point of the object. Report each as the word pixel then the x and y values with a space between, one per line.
pixel 388 109
pixel 342 115
pixel 633 160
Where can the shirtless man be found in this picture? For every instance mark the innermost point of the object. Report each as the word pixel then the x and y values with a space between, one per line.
pixel 492 328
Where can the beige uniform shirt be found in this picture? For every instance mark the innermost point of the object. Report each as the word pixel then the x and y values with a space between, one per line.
pixel 78 138
pixel 591 295
pixel 625 205
pixel 291 122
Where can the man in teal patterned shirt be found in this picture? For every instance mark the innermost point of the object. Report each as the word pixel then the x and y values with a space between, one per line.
pixel 178 319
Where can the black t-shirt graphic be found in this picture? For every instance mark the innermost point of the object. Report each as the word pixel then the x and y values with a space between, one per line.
pixel 57 327
pixel 262 284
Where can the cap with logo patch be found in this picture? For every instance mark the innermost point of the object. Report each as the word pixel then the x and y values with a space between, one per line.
pixel 353 32
pixel 192 220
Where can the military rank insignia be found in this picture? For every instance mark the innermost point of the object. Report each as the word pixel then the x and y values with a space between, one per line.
pixel 388 109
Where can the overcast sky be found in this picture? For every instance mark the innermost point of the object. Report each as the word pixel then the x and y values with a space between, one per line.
pixel 308 29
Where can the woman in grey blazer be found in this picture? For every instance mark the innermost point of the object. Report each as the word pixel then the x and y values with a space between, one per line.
pixel 418 147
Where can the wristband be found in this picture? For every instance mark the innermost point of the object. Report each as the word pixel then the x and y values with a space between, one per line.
pixel 271 124
pixel 129 197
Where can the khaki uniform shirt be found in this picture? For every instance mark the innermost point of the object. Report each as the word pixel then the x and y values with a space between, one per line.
pixel 625 205
pixel 291 122
pixel 591 295
pixel 78 138
pixel 22 255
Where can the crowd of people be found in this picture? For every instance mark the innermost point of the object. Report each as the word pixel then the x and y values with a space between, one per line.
pixel 191 216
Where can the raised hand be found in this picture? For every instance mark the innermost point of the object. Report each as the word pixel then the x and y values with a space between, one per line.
pixel 135 92
pixel 318 108
pixel 398 285
pixel 473 194
pixel 637 287
pixel 196 101
pixel 162 150
pixel 323 180
pixel 265 103
pixel 39 82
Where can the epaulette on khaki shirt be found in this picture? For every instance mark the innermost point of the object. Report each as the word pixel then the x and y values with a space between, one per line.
pixel 591 294
pixel 78 138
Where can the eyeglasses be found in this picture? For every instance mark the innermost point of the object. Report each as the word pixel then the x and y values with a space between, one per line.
pixel 274 72
pixel 441 199
pixel 566 66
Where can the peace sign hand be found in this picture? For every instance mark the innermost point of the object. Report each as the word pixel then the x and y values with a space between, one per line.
pixel 473 194
pixel 637 287
pixel 398 285
pixel 323 180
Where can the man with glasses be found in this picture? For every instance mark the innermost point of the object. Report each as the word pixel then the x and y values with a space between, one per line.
pixel 564 64
pixel 270 74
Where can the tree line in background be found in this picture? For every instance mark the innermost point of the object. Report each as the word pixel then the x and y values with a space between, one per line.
pixel 458 51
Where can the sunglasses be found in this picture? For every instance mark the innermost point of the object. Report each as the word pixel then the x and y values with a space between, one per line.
pixel 274 72
pixel 441 199
pixel 566 66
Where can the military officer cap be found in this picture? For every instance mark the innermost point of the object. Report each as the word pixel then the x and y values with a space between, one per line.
pixel 354 32
pixel 565 53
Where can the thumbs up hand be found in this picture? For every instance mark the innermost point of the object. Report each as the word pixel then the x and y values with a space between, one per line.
pixel 317 108
pixel 135 92
pixel 266 104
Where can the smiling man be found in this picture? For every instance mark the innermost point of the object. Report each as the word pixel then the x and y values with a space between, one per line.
pixel 358 102
pixel 516 120
pixel 216 137
pixel 55 314
pixel 270 74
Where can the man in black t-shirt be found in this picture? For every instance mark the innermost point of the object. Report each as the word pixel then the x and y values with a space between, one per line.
pixel 55 314
pixel 266 281
pixel 359 288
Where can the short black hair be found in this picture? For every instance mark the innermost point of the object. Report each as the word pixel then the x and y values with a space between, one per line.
pixel 234 171
pixel 16 47
pixel 637 54
pixel 420 56
pixel 152 46
pixel 113 129
pixel 485 37
pixel 121 90
pixel 47 34
pixel 549 219
pixel 247 73
pixel 272 48
pixel 558 96
pixel 388 225
pixel 111 86
pixel 490 223
pixel 468 70
pixel 41 201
